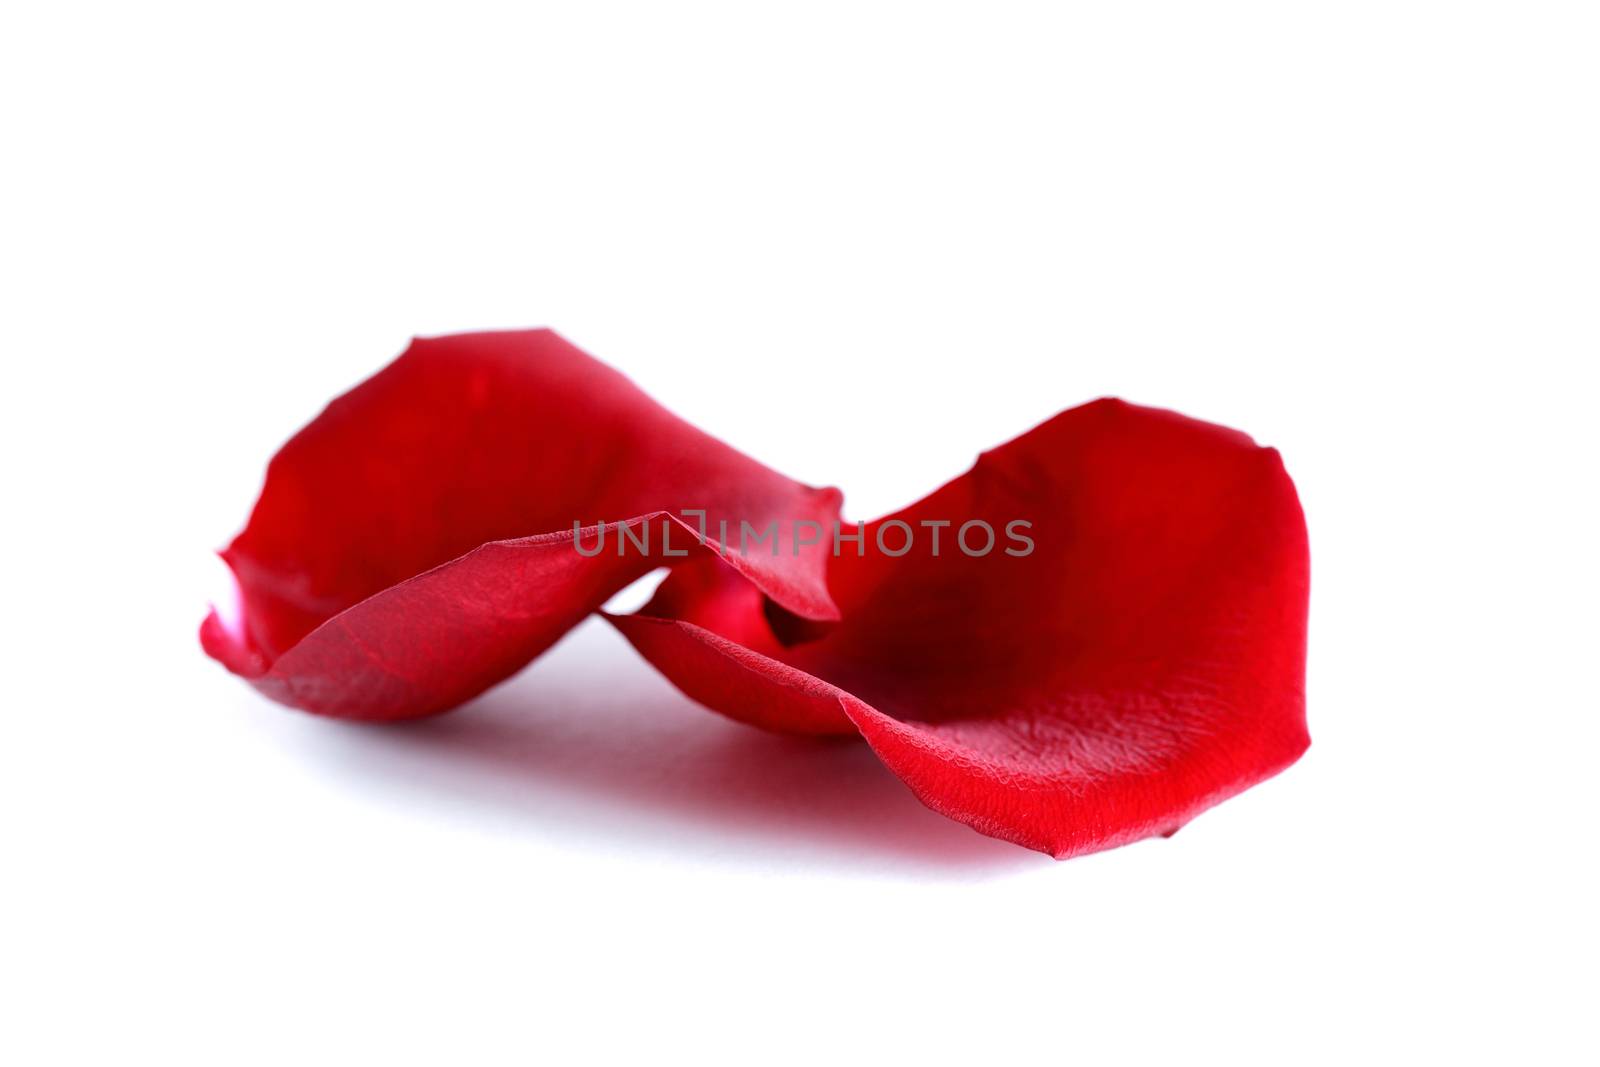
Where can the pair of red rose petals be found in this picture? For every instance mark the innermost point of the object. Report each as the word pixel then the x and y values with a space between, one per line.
pixel 415 544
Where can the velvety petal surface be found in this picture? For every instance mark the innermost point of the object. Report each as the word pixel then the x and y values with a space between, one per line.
pixel 414 544
pixel 1144 660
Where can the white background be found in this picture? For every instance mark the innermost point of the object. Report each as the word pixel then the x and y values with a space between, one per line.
pixel 861 242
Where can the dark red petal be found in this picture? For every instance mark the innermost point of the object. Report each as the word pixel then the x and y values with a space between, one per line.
pixel 413 545
pixel 1145 661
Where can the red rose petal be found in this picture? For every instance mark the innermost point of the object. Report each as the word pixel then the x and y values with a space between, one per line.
pixel 1140 661
pixel 1144 662
pixel 413 546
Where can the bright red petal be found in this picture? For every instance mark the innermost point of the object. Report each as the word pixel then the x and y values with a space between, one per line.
pixel 1143 662
pixel 413 545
